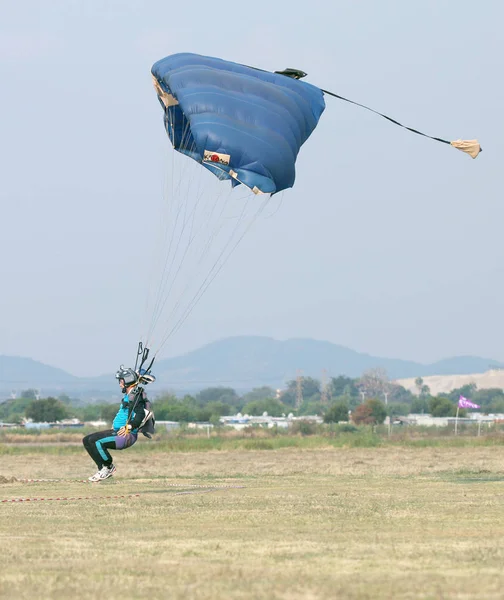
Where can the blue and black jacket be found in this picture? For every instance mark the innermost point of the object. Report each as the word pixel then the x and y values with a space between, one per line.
pixel 132 411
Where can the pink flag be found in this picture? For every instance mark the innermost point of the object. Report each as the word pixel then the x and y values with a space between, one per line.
pixel 465 403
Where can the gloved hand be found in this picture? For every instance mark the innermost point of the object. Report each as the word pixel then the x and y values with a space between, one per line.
pixel 124 431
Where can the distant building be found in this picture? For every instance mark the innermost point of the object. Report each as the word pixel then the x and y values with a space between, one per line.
pixel 242 421
pixel 427 420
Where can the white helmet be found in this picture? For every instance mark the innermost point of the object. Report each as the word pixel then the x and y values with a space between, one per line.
pixel 128 375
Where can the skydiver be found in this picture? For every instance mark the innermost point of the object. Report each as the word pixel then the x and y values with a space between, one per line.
pixel 134 415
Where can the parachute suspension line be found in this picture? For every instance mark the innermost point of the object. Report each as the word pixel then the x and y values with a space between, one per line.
pixel 167 268
pixel 203 254
pixel 214 271
pixel 174 215
pixel 167 276
pixel 470 147
pixel 169 235
pixel 274 212
pixel 192 237
pixel 209 279
pixel 183 230
pixel 162 234
pixel 200 268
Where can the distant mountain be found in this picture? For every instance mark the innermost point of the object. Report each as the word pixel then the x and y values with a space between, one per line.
pixel 16 371
pixel 241 362
pixel 461 365
pixel 19 373
pixel 247 361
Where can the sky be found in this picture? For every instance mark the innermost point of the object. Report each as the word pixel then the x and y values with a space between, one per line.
pixel 388 243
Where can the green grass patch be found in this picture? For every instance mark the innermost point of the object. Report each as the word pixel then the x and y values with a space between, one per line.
pixel 254 439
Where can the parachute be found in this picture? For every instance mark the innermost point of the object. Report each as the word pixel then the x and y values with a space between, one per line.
pixel 239 122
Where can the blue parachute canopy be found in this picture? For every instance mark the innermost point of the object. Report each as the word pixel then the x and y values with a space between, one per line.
pixel 241 123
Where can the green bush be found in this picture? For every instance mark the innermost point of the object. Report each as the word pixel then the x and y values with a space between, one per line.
pixel 347 428
pixel 304 427
pixel 336 412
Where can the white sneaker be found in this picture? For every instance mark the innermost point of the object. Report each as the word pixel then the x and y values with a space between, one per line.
pixel 107 472
pixel 103 473
pixel 95 477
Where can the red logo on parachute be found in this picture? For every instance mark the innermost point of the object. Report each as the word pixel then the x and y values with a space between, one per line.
pixel 215 158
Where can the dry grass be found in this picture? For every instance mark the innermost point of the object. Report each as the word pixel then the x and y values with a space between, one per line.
pixel 326 523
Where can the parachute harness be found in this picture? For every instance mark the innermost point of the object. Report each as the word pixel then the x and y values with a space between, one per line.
pixel 143 376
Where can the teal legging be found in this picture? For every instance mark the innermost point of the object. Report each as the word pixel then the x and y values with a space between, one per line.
pixel 98 445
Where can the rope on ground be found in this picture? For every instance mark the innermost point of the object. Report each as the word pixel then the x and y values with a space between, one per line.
pixel 183 485
pixel 199 489
pixel 70 498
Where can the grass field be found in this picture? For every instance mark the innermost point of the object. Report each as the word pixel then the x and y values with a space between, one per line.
pixel 327 522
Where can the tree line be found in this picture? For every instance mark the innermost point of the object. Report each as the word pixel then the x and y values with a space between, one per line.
pixel 367 399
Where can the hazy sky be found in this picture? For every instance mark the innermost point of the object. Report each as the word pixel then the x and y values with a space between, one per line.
pixel 389 243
